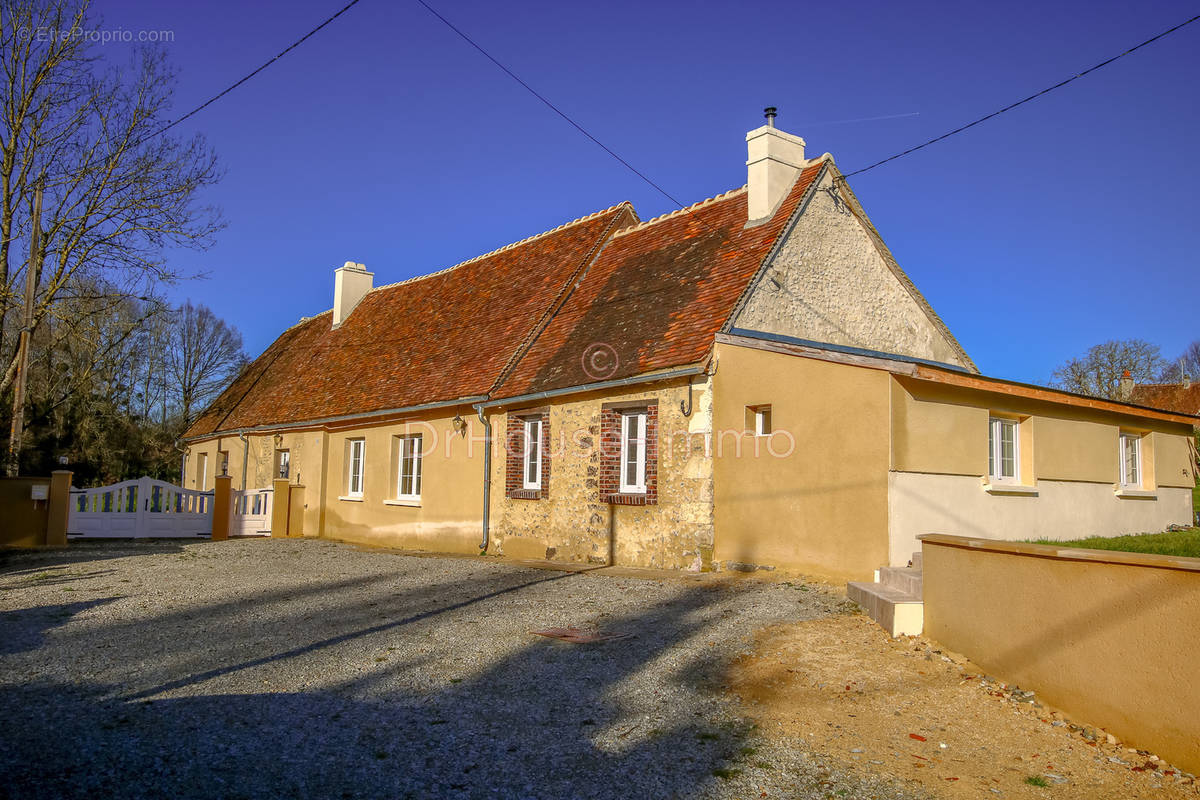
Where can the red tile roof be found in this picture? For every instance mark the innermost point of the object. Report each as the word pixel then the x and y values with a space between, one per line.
pixel 436 338
pixel 655 296
pixel 1168 396
pixel 523 319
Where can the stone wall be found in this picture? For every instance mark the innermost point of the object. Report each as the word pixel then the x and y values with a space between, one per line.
pixel 831 282
pixel 579 523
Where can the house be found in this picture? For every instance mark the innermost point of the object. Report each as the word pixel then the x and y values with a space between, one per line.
pixel 1183 397
pixel 749 381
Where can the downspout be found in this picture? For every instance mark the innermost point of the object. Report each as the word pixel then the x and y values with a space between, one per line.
pixel 245 457
pixel 487 473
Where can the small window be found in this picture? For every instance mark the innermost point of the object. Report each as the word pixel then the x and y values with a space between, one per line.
pixel 202 471
pixel 762 421
pixel 408 484
pixel 1003 444
pixel 283 463
pixel 1131 460
pixel 356 448
pixel 633 452
pixel 532 461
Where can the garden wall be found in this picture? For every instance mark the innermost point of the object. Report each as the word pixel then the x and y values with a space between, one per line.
pixel 1107 637
pixel 29 522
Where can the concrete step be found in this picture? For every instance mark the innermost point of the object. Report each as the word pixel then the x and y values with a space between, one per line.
pixel 916 560
pixel 900 613
pixel 903 578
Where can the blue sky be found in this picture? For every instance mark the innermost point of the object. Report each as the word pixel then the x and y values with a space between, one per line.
pixel 387 140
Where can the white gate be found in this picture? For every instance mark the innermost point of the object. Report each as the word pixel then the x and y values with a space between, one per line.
pixel 141 508
pixel 251 510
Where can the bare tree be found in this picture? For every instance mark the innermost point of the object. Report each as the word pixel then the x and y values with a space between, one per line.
pixel 1188 364
pixel 116 192
pixel 1099 371
pixel 204 354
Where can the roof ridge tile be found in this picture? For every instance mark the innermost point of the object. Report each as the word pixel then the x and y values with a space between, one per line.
pixel 677 212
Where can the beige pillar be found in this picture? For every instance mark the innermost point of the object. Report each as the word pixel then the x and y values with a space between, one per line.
pixel 296 511
pixel 222 508
pixel 59 507
pixel 279 508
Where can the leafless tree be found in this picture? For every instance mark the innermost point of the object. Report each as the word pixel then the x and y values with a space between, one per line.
pixel 117 193
pixel 204 354
pixel 1099 371
pixel 1188 364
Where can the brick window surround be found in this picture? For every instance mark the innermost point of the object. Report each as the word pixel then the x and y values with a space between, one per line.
pixel 610 454
pixel 514 445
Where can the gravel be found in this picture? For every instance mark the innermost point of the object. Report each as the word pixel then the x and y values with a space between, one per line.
pixel 304 668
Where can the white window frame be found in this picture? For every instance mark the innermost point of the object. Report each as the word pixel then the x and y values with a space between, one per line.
pixel 1134 439
pixel 996 427
pixel 411 449
pixel 283 463
pixel 356 456
pixel 532 457
pixel 637 421
pixel 762 421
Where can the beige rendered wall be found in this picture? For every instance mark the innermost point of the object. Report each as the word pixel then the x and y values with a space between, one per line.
pixel 23 520
pixel 830 282
pixel 1069 462
pixel 572 524
pixel 1100 635
pixel 447 519
pixel 819 506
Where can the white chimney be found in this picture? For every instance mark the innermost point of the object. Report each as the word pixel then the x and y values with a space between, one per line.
pixel 774 163
pixel 351 282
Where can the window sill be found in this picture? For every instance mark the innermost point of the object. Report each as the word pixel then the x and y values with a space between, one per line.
pixel 629 499
pixel 403 502
pixel 1010 489
pixel 1135 494
pixel 352 498
pixel 525 494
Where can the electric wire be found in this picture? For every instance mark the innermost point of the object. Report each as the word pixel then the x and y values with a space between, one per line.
pixel 1030 98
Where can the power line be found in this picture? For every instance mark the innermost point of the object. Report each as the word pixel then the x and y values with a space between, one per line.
pixel 1031 97
pixel 553 107
pixel 246 77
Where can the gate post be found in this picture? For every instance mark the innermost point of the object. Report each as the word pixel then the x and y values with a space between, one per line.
pixel 279 507
pixel 60 502
pixel 296 511
pixel 222 510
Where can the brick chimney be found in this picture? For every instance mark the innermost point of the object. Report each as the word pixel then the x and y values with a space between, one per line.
pixel 774 162
pixel 351 282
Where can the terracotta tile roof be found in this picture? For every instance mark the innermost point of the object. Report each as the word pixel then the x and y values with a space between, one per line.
pixel 655 296
pixel 1168 396
pixel 435 338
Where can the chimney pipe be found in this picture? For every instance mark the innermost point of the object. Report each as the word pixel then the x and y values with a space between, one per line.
pixel 351 282
pixel 774 161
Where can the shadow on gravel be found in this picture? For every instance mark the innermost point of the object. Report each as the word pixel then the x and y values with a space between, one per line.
pixel 16 561
pixel 545 720
pixel 17 634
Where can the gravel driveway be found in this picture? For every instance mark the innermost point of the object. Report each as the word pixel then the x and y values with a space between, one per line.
pixel 300 668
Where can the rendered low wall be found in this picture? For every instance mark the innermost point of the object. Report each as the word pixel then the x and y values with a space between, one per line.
pixel 1107 637
pixel 26 522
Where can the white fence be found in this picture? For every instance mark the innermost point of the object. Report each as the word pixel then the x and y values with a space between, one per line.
pixel 141 508
pixel 251 510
